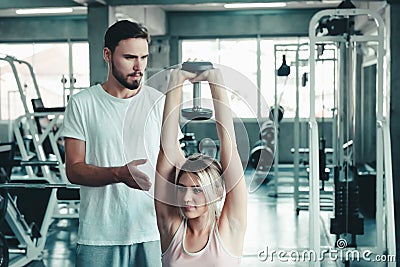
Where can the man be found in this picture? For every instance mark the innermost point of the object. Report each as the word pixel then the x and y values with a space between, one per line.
pixel 106 126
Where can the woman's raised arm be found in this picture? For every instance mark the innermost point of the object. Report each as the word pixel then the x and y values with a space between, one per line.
pixel 234 211
pixel 170 155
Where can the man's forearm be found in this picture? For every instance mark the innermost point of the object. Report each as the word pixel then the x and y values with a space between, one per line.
pixel 90 175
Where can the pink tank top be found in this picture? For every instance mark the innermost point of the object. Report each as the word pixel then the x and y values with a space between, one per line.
pixel 212 255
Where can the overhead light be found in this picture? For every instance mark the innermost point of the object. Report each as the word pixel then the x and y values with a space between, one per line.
pixel 31 11
pixel 255 5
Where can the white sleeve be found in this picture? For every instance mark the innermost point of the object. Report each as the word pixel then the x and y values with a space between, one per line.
pixel 73 123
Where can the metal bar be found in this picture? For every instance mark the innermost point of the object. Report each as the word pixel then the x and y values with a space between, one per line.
pixel 314 205
pixel 296 138
pixel 21 144
pixel 389 199
pixel 258 77
pixel 38 186
pixel 32 74
pixel 38 147
pixel 379 135
pixel 71 70
pixel 197 95
pixel 276 140
pixel 11 61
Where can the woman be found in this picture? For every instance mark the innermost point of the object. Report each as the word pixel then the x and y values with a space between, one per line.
pixel 193 230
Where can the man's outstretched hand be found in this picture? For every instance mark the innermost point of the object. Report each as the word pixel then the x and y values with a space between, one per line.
pixel 133 177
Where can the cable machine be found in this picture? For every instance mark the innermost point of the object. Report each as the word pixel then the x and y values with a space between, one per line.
pixel 300 52
pixel 301 196
pixel 339 24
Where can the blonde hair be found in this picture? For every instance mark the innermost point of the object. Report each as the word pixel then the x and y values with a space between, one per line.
pixel 209 174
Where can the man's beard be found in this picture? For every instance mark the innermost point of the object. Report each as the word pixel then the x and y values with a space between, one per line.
pixel 124 80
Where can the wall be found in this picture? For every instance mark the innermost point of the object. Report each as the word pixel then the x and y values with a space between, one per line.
pixel 43 29
pixel 225 24
pixel 97 25
pixel 153 17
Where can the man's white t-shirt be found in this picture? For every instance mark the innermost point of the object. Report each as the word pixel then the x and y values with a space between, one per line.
pixel 116 131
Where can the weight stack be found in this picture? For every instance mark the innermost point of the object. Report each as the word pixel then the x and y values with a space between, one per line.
pixel 348 219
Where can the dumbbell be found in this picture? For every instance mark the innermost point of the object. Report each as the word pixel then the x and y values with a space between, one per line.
pixel 197 112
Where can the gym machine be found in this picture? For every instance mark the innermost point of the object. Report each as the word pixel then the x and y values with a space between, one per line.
pixel 26 210
pixel 265 152
pixel 284 71
pixel 326 53
pixel 339 24
pixel 40 133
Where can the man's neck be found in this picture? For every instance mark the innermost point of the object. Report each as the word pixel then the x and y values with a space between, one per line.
pixel 118 91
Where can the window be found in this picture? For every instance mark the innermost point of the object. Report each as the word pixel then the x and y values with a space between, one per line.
pixel 239 60
pixel 80 65
pixel 50 62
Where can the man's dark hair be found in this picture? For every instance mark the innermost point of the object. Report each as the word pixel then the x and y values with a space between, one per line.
pixel 122 30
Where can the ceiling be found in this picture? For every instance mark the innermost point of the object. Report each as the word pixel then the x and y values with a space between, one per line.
pixel 8 7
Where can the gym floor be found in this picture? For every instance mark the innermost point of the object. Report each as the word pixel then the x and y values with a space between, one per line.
pixel 272 224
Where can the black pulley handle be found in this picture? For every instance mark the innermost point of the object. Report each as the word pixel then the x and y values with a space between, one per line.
pixel 197 112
